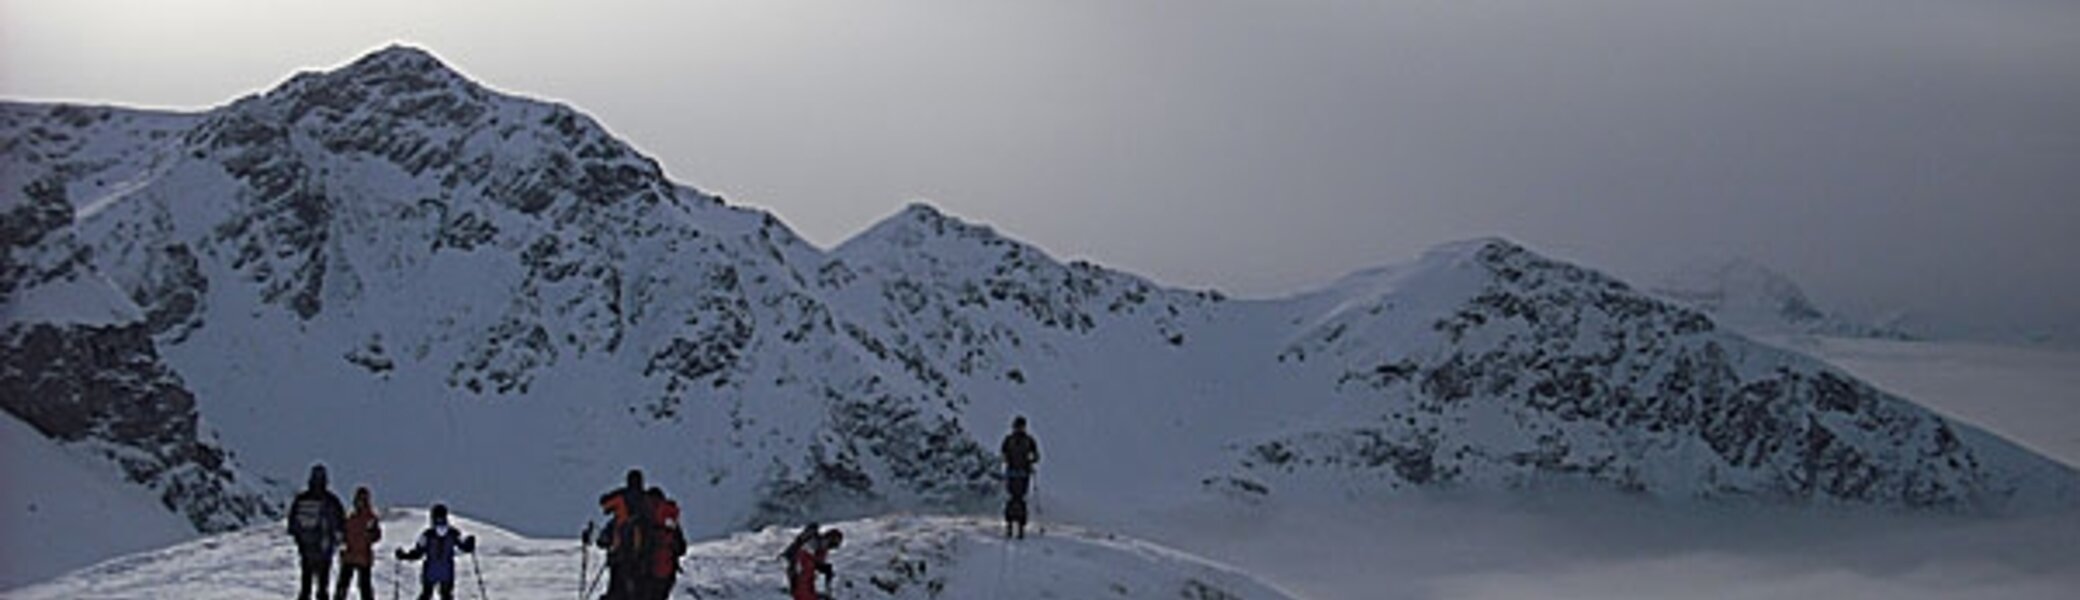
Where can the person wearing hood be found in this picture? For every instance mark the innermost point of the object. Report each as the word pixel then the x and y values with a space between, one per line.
pixel 363 529
pixel 316 520
pixel 438 545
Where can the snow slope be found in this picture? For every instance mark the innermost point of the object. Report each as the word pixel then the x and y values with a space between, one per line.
pixel 78 368
pixel 64 509
pixel 891 558
pixel 2028 394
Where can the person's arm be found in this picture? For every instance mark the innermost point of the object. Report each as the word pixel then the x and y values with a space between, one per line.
pixel 823 565
pixel 339 520
pixel 417 551
pixel 1034 446
pixel 375 530
pixel 468 543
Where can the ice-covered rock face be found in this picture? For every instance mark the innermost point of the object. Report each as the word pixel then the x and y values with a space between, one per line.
pixel 78 364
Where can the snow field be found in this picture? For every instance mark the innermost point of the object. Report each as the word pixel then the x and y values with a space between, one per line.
pixel 898 557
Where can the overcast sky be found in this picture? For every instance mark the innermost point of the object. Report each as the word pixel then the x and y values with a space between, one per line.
pixel 1889 154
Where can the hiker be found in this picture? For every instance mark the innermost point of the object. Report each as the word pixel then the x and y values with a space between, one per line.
pixel 625 537
pixel 669 543
pixel 1020 454
pixel 808 555
pixel 315 519
pixel 438 545
pixel 362 530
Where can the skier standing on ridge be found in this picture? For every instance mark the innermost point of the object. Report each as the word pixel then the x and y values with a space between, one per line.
pixel 362 530
pixel 626 537
pixel 315 520
pixel 438 545
pixel 1021 452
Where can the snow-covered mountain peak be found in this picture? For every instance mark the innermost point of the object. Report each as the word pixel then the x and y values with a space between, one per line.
pixel 400 58
pixel 1454 273
pixel 921 257
pixel 398 80
pixel 1740 284
pixel 920 229
pixel 1752 297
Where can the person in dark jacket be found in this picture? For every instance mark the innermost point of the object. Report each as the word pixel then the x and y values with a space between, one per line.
pixel 316 520
pixel 626 537
pixel 438 545
pixel 363 529
pixel 1021 452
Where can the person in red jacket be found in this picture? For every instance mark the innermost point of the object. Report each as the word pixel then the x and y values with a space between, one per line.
pixel 811 555
pixel 668 543
pixel 363 529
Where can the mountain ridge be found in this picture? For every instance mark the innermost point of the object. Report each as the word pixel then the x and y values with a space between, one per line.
pixel 488 298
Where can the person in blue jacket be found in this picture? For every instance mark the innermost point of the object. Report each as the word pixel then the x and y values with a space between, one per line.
pixel 438 545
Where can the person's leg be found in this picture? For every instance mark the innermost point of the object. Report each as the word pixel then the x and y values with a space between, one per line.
pixel 425 590
pixel 303 589
pixel 645 585
pixel 368 589
pixel 346 576
pixel 625 582
pixel 324 569
pixel 448 590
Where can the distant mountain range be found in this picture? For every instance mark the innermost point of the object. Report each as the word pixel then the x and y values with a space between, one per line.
pixel 453 293
pixel 1756 300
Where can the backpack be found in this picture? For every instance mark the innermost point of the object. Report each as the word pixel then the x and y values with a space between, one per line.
pixel 307 519
pixel 668 541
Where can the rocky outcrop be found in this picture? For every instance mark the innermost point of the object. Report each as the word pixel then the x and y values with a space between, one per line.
pixel 1540 371
pixel 78 364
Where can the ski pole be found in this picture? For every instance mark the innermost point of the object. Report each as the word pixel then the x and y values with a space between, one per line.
pixel 597 575
pixel 584 555
pixel 1038 526
pixel 480 576
pixel 396 577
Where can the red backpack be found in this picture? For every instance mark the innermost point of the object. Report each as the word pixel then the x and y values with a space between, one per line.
pixel 665 556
